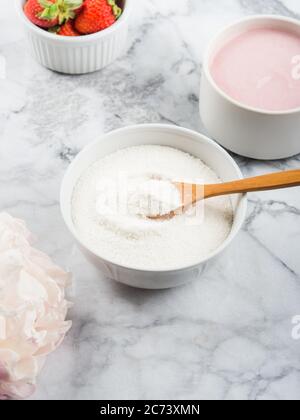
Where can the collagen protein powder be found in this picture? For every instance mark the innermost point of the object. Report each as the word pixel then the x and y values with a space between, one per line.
pixel 114 197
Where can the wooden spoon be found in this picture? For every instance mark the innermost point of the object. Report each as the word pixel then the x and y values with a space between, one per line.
pixel 192 193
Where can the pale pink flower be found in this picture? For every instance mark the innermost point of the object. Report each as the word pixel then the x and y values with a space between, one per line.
pixel 33 309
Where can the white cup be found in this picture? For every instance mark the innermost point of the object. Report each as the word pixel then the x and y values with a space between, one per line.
pixel 80 54
pixel 244 130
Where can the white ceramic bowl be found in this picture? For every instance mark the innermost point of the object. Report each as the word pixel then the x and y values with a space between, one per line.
pixel 188 141
pixel 77 55
pixel 247 131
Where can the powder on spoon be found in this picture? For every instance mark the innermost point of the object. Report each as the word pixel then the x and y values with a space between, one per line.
pixel 114 196
pixel 150 196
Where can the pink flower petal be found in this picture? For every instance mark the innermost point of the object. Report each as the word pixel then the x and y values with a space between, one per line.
pixel 33 309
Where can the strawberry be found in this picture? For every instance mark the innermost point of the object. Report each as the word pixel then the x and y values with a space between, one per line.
pixel 67 29
pixel 49 13
pixel 97 15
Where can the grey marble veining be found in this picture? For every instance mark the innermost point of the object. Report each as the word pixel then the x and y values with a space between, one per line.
pixel 227 336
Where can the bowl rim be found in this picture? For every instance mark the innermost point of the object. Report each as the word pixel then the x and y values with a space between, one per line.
pixel 219 35
pixel 82 39
pixel 243 204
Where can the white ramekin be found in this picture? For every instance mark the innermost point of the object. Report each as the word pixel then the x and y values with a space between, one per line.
pixel 189 141
pixel 247 131
pixel 77 55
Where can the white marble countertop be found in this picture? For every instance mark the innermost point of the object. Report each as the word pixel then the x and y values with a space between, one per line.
pixel 227 336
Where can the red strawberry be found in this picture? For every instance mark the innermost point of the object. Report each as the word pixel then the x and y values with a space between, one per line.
pixel 49 13
pixel 67 29
pixel 97 15
pixel 33 9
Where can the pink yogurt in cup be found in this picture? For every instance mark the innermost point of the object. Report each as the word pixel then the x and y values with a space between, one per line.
pixel 250 87
pixel 260 68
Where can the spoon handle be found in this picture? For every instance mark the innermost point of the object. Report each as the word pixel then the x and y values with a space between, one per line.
pixel 285 179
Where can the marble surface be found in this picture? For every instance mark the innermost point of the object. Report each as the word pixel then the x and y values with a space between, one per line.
pixel 227 336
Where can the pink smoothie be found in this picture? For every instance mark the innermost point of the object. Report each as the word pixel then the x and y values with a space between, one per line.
pixel 261 68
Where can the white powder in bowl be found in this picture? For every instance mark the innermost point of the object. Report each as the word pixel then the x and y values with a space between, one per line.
pixel 113 197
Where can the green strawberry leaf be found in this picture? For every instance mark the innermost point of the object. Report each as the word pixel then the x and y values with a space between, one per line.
pixel 49 13
pixel 63 10
pixel 73 4
pixel 54 30
pixel 117 11
pixel 45 3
